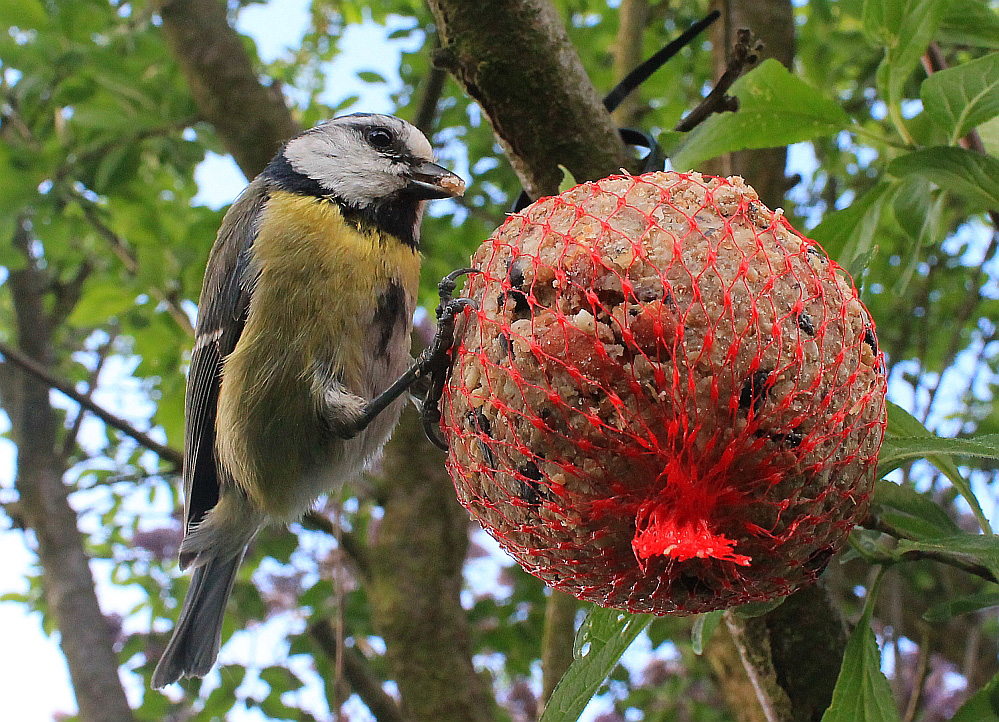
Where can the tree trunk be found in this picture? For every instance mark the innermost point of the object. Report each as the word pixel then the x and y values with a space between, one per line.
pixel 85 635
pixel 415 586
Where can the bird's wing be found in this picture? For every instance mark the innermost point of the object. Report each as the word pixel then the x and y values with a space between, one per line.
pixel 224 304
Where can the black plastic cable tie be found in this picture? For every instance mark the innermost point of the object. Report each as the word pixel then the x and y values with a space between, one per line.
pixel 644 71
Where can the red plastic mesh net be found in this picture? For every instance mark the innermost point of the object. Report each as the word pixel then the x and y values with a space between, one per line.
pixel 668 400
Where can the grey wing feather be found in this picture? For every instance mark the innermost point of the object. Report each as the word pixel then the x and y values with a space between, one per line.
pixel 224 304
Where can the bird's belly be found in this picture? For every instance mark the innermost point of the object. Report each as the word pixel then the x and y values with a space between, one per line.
pixel 337 313
pixel 278 449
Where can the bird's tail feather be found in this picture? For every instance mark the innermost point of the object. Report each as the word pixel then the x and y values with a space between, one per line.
pixel 194 645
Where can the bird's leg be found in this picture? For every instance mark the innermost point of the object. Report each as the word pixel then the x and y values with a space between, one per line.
pixel 434 362
pixel 438 354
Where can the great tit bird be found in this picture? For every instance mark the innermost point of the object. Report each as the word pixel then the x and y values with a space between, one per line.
pixel 302 348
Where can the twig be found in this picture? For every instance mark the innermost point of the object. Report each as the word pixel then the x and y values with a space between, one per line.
pixel 70 441
pixel 745 55
pixel 126 255
pixel 315 521
pixel 357 673
pixel 753 645
pixel 875 523
pixel 919 675
pixel 34 368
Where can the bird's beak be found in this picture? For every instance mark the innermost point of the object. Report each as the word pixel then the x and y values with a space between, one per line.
pixel 429 180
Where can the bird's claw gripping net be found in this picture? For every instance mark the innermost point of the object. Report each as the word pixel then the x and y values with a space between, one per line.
pixel 435 361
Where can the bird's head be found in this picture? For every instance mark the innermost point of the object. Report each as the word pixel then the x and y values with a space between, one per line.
pixel 365 160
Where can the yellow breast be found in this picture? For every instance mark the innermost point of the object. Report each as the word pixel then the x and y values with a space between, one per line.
pixel 320 285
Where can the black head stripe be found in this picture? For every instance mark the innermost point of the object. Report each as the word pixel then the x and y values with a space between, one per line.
pixel 280 173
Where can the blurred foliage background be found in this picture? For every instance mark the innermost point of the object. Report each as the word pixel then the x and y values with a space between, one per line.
pixel 102 251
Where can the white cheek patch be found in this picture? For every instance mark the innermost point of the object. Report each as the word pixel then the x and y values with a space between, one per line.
pixel 343 164
pixel 337 157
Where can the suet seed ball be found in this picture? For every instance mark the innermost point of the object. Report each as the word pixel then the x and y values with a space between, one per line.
pixel 668 400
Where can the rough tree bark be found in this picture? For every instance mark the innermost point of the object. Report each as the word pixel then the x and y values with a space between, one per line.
pixel 515 59
pixel 85 636
pixel 633 15
pixel 222 80
pixel 416 580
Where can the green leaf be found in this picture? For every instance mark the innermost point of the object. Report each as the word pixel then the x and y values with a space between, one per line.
pixel 901 449
pixel 219 702
pixel 902 424
pixel 983 548
pixel 897 450
pixel 881 19
pixel 919 22
pixel 961 605
pixel 862 692
pixel 910 204
pixel 957 170
pixel 280 679
pixel 904 28
pixel 904 427
pixel 868 545
pixel 775 108
pixel 704 627
pixel 603 638
pixel 989 133
pixel 568 179
pixel 982 707
pixel 118 166
pixel 963 97
pixel 847 234
pixel 918 213
pixel 103 299
pixel 969 22
pixel 908 510
pixel 23 14
pixel 370 76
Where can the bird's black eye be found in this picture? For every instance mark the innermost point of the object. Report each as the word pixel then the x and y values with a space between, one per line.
pixel 379 138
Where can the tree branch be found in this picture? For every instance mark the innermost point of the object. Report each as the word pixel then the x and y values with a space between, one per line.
pixel 745 54
pixel 753 643
pixel 807 639
pixel 85 636
pixel 557 640
pixel 225 84
pixel 357 672
pixel 875 523
pixel 515 59
pixel 40 372
pixel 632 18
pixel 416 578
